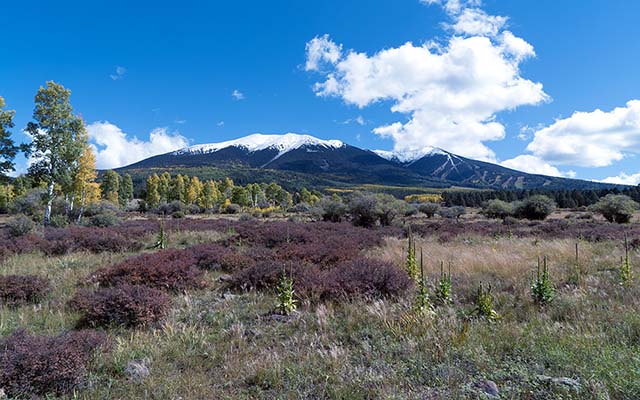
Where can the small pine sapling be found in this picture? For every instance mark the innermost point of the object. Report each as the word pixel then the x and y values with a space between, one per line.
pixel 626 274
pixel 161 239
pixel 286 301
pixel 484 304
pixel 542 289
pixel 411 265
pixel 445 286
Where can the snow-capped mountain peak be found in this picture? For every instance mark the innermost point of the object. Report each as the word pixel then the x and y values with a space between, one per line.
pixel 409 156
pixel 256 142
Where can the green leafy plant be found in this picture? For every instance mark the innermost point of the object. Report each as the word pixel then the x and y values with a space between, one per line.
pixel 445 285
pixel 626 274
pixel 411 265
pixel 542 289
pixel 161 240
pixel 422 301
pixel 286 301
pixel 484 304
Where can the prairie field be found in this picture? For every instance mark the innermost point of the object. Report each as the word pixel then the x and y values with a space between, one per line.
pixel 208 325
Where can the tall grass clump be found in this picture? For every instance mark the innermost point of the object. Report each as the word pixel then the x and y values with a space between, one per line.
pixel 423 304
pixel 542 289
pixel 411 265
pixel 161 239
pixel 286 301
pixel 444 287
pixel 484 304
pixel 626 274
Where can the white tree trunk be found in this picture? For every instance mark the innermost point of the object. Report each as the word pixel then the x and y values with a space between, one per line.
pixel 47 210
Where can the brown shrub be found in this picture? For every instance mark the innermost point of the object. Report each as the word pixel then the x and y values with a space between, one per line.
pixel 41 365
pixel 125 305
pixel 17 290
pixel 173 270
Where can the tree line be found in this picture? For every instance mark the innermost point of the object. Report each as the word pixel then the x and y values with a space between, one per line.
pixel 563 198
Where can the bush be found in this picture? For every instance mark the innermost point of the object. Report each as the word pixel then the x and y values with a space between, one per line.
pixel 17 290
pixel 452 212
pixel 125 305
pixel 388 208
pixel 536 207
pixel 364 277
pixel 39 365
pixel 19 226
pixel 104 220
pixel 103 207
pixel 364 209
pixel 30 204
pixel 172 270
pixel 429 209
pixel 171 208
pixel 497 209
pixel 616 208
pixel 178 215
pixel 332 209
pixel 360 277
pixel 59 221
pixel 233 209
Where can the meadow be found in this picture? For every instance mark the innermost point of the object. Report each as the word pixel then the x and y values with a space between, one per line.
pixel 191 309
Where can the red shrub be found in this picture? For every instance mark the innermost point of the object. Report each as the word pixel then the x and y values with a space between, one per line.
pixel 173 270
pixel 40 365
pixel 16 290
pixel 360 277
pixel 367 278
pixel 124 305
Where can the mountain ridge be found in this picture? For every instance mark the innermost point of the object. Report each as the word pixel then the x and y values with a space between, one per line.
pixel 337 161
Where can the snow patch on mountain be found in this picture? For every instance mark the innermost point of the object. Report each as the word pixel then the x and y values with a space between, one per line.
pixel 407 157
pixel 256 142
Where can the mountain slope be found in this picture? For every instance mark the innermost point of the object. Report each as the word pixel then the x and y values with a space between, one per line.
pixel 337 162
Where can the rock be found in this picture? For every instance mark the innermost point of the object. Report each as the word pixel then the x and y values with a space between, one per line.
pixel 488 388
pixel 225 278
pixel 138 370
pixel 3 395
pixel 228 296
pixel 567 383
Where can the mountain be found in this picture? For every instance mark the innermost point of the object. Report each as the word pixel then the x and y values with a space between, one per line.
pixel 332 162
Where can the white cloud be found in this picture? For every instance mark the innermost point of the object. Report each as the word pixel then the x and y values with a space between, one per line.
pixel 623 179
pixel 357 120
pixel 451 93
pixel 237 95
pixel 321 50
pixel 533 165
pixel 590 139
pixel 115 149
pixel 453 6
pixel 119 73
pixel 474 21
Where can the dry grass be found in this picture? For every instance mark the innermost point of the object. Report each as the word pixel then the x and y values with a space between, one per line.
pixel 229 346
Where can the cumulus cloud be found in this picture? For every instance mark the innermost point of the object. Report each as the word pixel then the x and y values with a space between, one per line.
pixel 590 139
pixel 114 148
pixel 237 95
pixel 534 165
pixel 451 93
pixel 321 50
pixel 474 21
pixel 624 179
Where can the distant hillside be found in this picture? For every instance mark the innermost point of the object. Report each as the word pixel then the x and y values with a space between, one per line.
pixel 302 160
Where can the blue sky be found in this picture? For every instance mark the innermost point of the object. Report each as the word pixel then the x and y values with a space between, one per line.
pixel 172 69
